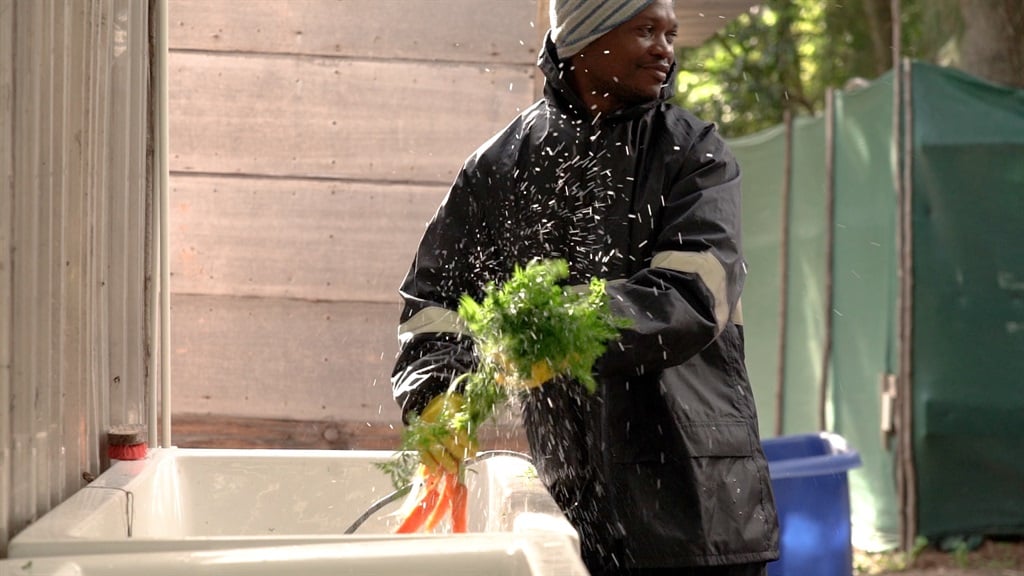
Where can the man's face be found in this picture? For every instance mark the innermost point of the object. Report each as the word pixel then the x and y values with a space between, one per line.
pixel 629 64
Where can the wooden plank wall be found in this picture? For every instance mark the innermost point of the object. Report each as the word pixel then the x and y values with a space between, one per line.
pixel 73 189
pixel 311 140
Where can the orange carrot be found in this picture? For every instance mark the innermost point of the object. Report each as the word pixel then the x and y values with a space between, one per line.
pixel 441 494
pixel 424 508
pixel 418 515
pixel 444 503
pixel 460 508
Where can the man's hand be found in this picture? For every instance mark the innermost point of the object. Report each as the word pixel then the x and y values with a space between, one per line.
pixel 540 372
pixel 452 447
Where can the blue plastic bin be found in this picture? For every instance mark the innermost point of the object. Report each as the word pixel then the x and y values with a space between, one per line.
pixel 812 494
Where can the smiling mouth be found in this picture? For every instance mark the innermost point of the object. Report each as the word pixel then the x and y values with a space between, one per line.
pixel 660 72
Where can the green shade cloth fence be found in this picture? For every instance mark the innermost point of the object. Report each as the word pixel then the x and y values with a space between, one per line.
pixel 822 307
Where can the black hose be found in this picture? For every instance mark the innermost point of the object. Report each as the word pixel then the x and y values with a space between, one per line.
pixel 404 490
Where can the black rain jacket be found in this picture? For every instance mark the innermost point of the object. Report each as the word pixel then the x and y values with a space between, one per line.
pixel 663 465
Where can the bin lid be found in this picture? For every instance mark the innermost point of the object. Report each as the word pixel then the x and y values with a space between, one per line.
pixel 809 455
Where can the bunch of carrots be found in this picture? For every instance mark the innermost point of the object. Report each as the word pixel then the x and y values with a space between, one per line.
pixel 527 331
pixel 440 493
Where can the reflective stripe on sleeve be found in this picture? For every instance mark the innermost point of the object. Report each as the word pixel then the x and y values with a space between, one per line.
pixel 737 313
pixel 432 319
pixel 708 269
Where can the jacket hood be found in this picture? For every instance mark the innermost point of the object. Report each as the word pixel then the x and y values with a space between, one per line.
pixel 558 89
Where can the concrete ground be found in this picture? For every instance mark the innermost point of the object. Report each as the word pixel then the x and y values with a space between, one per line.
pixel 1003 557
pixel 957 572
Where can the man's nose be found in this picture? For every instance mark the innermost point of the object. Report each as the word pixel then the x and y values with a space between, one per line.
pixel 662 47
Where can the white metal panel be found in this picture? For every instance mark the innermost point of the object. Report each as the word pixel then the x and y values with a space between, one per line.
pixel 27 317
pixel 73 182
pixel 125 213
pixel 6 268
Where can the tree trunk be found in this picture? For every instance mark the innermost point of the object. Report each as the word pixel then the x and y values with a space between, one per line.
pixel 879 27
pixel 992 46
pixel 788 55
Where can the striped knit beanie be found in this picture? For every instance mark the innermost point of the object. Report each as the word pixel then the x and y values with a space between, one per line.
pixel 576 23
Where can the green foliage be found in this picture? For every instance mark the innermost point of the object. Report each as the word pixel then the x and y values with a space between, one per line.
pixel 402 467
pixel 533 319
pixel 417 437
pixel 733 79
pixel 961 554
pixel 529 321
pixel 786 54
pixel 920 544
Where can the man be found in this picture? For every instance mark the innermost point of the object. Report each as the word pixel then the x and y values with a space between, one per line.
pixel 661 470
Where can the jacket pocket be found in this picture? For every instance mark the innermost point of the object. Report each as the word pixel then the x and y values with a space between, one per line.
pixel 717 439
pixel 708 501
pixel 654 439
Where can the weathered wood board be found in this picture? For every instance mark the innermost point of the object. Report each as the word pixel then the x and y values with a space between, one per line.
pixel 280 358
pixel 298 239
pixel 336 118
pixel 230 431
pixel 499 31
